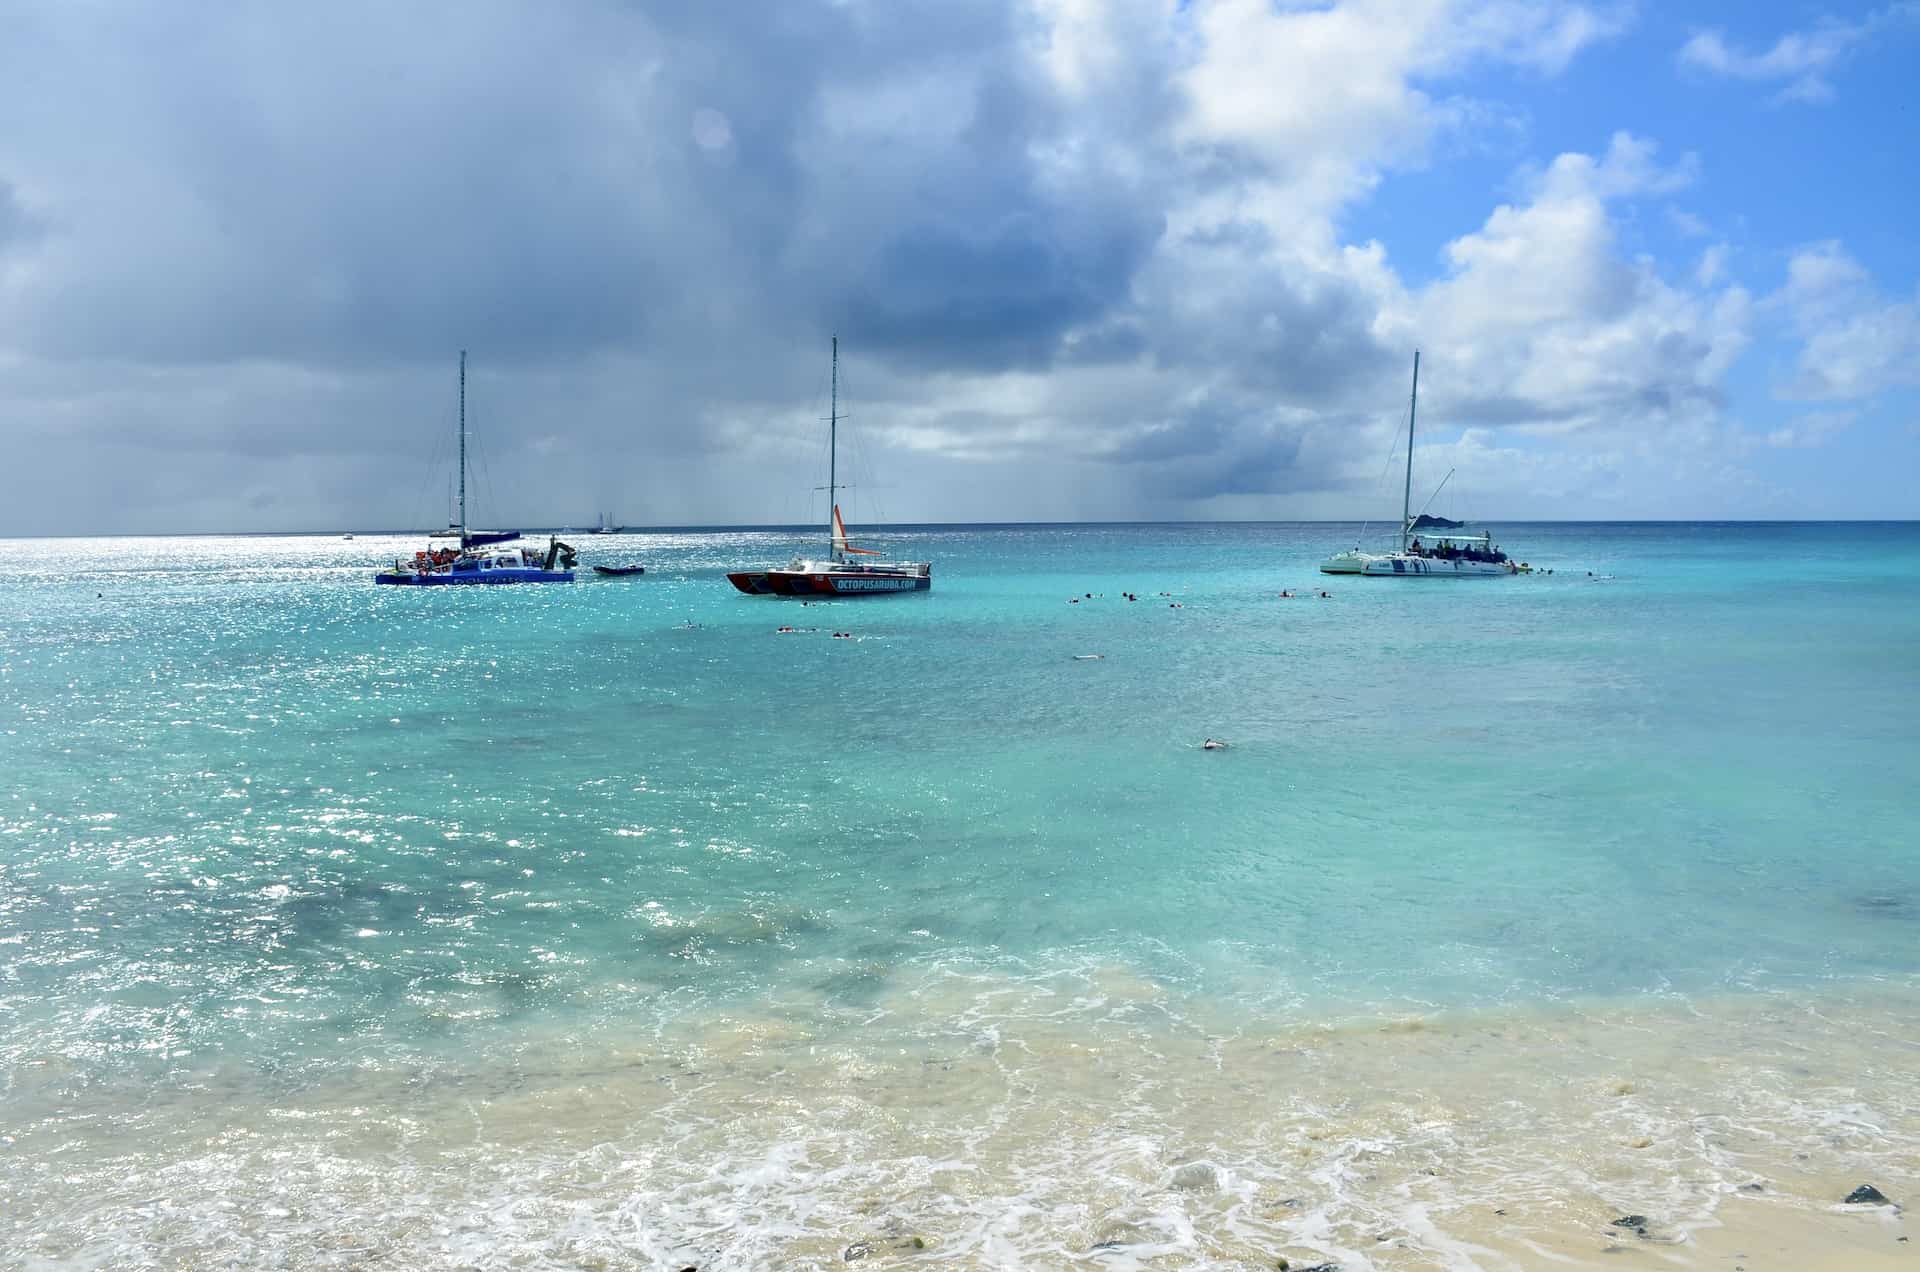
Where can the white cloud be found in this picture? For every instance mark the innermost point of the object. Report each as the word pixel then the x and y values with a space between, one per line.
pixel 1277 366
pixel 1087 259
pixel 1856 342
pixel 1712 267
pixel 1328 96
pixel 1810 430
pixel 1551 328
pixel 1802 59
pixel 1687 223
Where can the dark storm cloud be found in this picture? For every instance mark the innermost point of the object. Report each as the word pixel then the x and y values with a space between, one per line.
pixel 360 184
pixel 354 187
pixel 993 296
pixel 268 234
pixel 241 248
pixel 1242 447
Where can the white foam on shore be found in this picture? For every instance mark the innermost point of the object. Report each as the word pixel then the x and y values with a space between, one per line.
pixel 1091 1118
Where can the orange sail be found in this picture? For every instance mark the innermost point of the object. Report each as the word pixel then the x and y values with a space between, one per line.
pixel 840 543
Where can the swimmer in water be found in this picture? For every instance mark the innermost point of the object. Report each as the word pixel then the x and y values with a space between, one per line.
pixel 1213 744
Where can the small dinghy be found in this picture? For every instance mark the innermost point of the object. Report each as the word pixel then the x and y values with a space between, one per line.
pixel 619 571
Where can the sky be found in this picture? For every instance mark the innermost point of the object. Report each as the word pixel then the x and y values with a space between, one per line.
pixel 1086 260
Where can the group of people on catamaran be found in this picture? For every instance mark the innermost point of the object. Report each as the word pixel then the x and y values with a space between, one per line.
pixel 1450 550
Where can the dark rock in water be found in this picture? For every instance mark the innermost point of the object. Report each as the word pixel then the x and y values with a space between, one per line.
pixel 1884 906
pixel 1196 1177
pixel 1867 1195
pixel 1756 1186
pixel 1638 1225
pixel 1118 1234
pixel 858 1250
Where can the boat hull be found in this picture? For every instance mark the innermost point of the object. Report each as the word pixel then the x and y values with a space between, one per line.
pixel 1347 562
pixel 826 583
pixel 470 578
pixel 752 582
pixel 1412 567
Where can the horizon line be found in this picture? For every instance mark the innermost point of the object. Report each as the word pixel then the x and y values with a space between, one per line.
pixel 881 527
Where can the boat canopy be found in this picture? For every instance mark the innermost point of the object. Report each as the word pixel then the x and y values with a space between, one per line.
pixel 1449 536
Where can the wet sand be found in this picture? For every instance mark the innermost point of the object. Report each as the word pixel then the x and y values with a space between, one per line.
pixel 1089 1121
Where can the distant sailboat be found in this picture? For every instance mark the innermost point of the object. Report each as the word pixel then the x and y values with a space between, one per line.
pixel 1450 553
pixel 839 574
pixel 449 566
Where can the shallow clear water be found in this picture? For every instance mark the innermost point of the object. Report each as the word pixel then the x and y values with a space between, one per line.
pixel 277 841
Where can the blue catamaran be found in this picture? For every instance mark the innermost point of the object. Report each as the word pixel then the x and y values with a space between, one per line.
pixel 479 558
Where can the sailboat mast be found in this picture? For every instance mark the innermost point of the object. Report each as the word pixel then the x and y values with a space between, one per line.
pixel 463 450
pixel 1406 498
pixel 833 436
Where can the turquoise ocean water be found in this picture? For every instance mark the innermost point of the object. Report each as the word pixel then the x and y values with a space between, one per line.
pixel 543 925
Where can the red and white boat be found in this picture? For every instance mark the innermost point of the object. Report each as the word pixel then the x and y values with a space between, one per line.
pixel 840 574
pixel 845 571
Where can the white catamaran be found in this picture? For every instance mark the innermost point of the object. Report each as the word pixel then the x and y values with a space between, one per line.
pixel 1430 547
